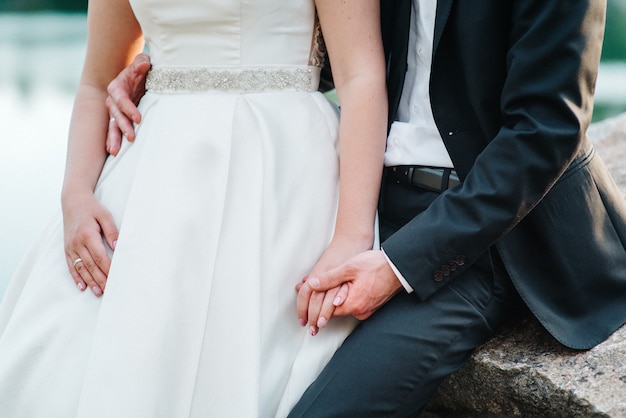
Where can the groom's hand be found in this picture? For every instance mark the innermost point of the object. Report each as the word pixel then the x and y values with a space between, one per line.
pixel 371 283
pixel 125 91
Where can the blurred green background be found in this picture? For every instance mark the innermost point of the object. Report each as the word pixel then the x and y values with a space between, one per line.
pixel 41 5
pixel 615 34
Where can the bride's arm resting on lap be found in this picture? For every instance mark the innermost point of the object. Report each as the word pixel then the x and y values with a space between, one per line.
pixel 124 94
pixel 110 48
pixel 352 34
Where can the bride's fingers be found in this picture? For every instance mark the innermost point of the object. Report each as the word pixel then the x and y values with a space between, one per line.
pixel 302 303
pixel 82 263
pixel 299 285
pixel 315 306
pixel 328 308
pixel 342 295
pixel 97 262
pixel 98 268
pixel 80 283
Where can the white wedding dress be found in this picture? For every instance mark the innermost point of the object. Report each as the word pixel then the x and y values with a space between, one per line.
pixel 225 201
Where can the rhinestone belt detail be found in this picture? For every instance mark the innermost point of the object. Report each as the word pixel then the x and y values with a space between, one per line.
pixel 235 79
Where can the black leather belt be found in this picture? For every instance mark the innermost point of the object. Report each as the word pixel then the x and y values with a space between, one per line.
pixel 431 178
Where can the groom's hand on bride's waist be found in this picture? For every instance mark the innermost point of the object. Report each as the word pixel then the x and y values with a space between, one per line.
pixel 125 91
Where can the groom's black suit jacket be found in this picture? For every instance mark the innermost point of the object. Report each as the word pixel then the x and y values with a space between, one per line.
pixel 511 89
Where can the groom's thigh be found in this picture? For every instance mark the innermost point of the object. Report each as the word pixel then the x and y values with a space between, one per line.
pixel 393 362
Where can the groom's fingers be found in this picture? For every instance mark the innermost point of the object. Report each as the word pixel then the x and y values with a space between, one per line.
pixel 114 135
pixel 329 279
pixel 124 93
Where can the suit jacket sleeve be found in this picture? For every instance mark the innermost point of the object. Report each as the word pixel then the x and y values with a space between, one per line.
pixel 545 106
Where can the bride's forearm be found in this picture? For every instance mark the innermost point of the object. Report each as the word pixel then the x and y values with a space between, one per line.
pixel 362 143
pixel 86 143
pixel 352 33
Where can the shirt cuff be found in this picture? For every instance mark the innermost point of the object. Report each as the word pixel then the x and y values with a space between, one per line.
pixel 399 275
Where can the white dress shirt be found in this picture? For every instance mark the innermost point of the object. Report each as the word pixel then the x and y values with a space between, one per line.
pixel 414 138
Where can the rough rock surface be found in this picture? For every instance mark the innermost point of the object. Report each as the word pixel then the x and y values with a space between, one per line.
pixel 609 137
pixel 523 372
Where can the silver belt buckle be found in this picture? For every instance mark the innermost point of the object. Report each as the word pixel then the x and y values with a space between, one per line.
pixel 432 178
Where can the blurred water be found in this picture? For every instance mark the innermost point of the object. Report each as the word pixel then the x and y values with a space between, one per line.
pixel 40 60
pixel 610 98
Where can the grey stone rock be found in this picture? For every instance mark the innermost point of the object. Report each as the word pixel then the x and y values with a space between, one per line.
pixel 524 372
pixel 609 138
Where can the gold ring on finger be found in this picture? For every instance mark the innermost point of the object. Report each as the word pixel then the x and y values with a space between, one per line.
pixel 78 260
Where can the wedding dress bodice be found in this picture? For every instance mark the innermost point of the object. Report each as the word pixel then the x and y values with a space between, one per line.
pixel 227 32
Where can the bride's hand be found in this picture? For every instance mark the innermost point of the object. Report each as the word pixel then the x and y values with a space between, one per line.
pixel 320 306
pixel 86 221
pixel 315 309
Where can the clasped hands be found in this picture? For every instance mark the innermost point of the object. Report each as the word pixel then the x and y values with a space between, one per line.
pixel 357 287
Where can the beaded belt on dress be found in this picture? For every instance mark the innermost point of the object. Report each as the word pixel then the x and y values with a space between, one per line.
pixel 244 79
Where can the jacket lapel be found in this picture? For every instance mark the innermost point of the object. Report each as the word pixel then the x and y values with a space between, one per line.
pixel 443 11
pixel 398 36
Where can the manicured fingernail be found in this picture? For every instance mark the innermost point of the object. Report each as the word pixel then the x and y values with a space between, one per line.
pixel 114 244
pixel 96 290
pixel 314 282
pixel 337 301
pixel 302 322
pixel 312 330
pixel 322 322
pixel 81 286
